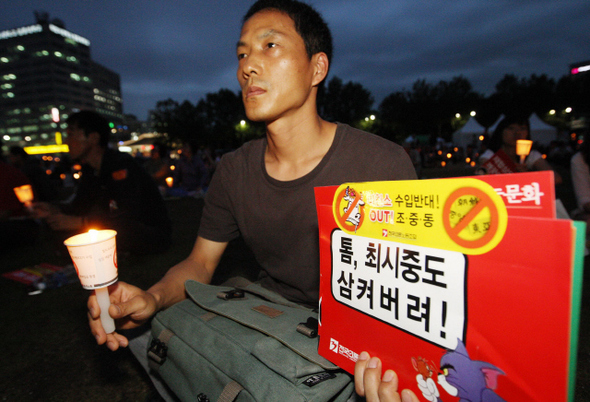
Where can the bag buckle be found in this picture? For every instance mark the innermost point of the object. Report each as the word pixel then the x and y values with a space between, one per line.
pixel 202 398
pixel 157 351
pixel 231 294
pixel 309 328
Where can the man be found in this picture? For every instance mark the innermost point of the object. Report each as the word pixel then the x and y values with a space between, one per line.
pixel 264 190
pixel 43 186
pixel 113 193
pixel 14 232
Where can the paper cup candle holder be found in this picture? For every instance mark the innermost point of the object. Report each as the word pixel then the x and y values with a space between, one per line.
pixel 94 255
pixel 523 148
pixel 25 195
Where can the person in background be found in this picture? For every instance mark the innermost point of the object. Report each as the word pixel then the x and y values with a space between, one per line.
pixel 114 192
pixel 15 229
pixel 266 187
pixel 581 183
pixel 158 166
pixel 45 189
pixel 507 132
pixel 191 174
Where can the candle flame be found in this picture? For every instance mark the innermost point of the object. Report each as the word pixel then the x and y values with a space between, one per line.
pixel 93 235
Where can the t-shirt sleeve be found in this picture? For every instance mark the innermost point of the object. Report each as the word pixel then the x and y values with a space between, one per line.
pixel 218 221
pixel 404 168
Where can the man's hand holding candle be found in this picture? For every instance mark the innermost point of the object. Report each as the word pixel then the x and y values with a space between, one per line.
pixel 130 307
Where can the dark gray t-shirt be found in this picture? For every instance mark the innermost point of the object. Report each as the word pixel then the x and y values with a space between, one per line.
pixel 278 219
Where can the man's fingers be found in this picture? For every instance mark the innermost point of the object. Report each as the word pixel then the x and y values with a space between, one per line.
pixel 372 379
pixel 388 387
pixel 409 396
pixel 359 373
pixel 134 308
pixel 93 308
pixel 115 341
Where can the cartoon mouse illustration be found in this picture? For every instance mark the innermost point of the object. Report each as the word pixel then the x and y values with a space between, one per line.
pixel 424 367
pixel 470 380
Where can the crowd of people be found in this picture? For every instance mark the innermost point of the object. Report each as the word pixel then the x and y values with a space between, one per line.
pixel 284 53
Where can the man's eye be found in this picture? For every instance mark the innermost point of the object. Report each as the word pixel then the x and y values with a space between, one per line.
pixel 271 44
pixel 241 56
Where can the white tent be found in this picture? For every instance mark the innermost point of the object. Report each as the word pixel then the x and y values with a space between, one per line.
pixel 468 133
pixel 541 132
pixel 493 126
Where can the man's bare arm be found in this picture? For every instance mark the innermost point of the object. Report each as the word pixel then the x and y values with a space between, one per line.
pixel 199 265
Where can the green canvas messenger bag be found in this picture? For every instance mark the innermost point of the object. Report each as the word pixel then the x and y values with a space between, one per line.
pixel 243 343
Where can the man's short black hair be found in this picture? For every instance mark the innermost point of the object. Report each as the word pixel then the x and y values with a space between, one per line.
pixel 91 122
pixel 309 24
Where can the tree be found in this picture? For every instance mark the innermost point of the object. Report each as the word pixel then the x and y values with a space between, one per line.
pixel 346 103
pixel 221 112
pixel 427 109
pixel 214 122
pixel 180 121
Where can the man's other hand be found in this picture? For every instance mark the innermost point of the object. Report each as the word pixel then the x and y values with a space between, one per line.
pixel 369 383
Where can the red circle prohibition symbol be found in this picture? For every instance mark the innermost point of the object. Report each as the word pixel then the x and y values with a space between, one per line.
pixel 484 202
pixel 343 216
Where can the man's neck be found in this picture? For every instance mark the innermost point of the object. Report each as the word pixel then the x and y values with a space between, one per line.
pixel 296 146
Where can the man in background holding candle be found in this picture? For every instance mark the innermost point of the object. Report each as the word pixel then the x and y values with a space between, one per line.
pixel 114 192
pixel 264 191
pixel 14 232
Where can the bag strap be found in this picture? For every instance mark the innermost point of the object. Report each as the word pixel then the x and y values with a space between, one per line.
pixel 259 314
pixel 254 288
pixel 158 349
pixel 230 392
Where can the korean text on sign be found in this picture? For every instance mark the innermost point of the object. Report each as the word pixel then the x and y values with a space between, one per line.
pixel 419 290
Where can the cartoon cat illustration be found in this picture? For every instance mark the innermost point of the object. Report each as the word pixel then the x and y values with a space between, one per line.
pixel 470 380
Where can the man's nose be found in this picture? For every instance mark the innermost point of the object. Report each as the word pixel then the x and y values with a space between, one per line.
pixel 251 65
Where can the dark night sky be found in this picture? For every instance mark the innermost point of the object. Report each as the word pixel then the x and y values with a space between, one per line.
pixel 183 49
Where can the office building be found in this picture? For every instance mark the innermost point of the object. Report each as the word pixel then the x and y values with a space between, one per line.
pixel 46 73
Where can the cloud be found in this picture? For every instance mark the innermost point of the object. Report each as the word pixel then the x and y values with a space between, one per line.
pixel 183 49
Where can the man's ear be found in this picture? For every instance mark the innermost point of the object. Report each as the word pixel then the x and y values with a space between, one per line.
pixel 321 65
pixel 93 138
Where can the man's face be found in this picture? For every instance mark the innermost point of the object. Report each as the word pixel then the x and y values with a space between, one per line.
pixel 78 143
pixel 274 71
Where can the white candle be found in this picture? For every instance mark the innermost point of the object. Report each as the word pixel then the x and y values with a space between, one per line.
pixel 102 296
pixel 523 148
